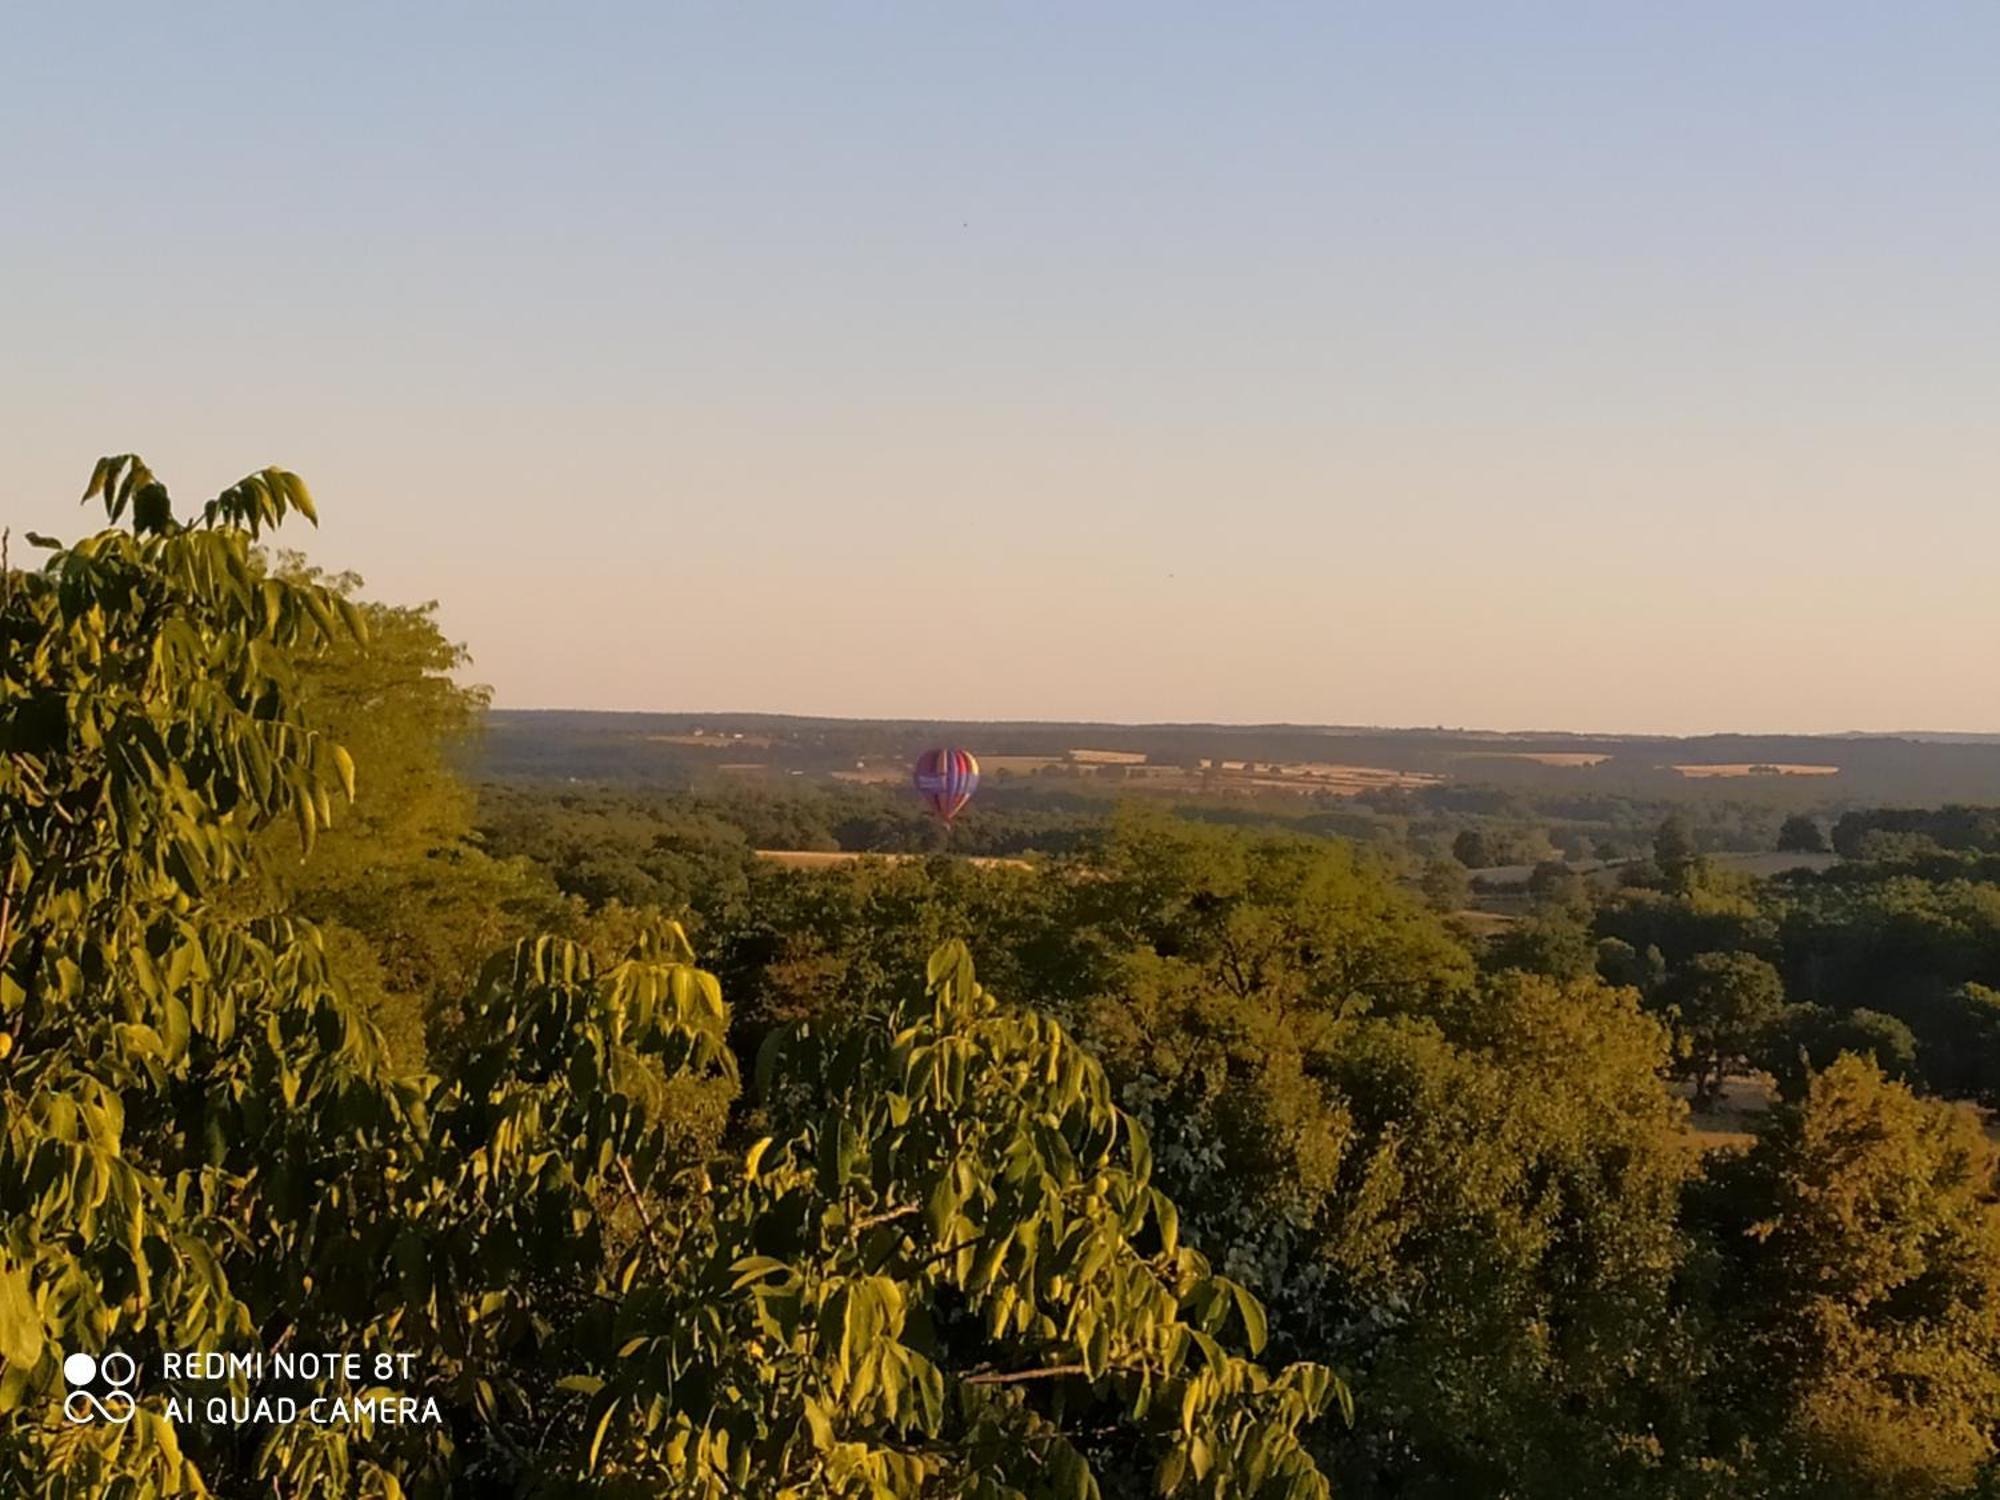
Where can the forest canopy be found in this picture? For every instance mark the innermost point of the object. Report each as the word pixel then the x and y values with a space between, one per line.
pixel 1188 1155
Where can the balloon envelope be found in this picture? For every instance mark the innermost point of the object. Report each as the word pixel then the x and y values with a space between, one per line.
pixel 946 778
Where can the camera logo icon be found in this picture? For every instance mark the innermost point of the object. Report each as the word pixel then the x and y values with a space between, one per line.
pixel 81 1374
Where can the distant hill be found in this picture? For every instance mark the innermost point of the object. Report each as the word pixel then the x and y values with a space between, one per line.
pixel 1926 769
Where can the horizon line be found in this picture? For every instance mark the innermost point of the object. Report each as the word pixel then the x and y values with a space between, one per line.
pixel 1269 724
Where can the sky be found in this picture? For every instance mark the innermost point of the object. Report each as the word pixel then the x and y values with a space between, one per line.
pixel 1599 367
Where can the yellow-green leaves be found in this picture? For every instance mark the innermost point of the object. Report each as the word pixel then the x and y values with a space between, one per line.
pixel 192 1102
pixel 20 1321
pixel 118 479
pixel 1255 1329
pixel 962 1157
pixel 259 501
pixel 344 766
pixel 942 1267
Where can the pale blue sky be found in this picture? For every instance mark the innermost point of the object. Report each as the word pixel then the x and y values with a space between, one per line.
pixel 1624 366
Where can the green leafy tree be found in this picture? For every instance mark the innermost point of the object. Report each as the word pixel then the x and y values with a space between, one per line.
pixel 1554 940
pixel 1859 1283
pixel 1619 963
pixel 1959 1042
pixel 151 727
pixel 1801 834
pixel 1553 884
pixel 959 1279
pixel 1445 885
pixel 954 1279
pixel 1464 1191
pixel 1918 945
pixel 1309 927
pixel 1676 853
pixel 1807 1038
pixel 1472 850
pixel 1722 1005
pixel 403 894
pixel 1505 1248
pixel 1710 917
pixel 684 856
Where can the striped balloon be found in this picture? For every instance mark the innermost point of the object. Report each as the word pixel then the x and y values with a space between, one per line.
pixel 946 778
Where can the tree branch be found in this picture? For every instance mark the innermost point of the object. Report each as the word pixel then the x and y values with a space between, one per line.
pixel 1014 1377
pixel 887 1216
pixel 645 1218
pixel 7 914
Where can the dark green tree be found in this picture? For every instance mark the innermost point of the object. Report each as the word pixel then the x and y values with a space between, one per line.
pixel 1676 853
pixel 1802 835
pixel 1806 1039
pixel 1470 848
pixel 1722 1005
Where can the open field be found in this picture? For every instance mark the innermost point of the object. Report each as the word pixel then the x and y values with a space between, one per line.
pixel 1317 776
pixel 1358 778
pixel 1480 924
pixel 1761 866
pixel 823 859
pixel 1018 765
pixel 1746 1097
pixel 700 741
pixel 1741 768
pixel 1565 759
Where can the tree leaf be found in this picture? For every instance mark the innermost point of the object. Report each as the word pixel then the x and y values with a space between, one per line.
pixel 20 1323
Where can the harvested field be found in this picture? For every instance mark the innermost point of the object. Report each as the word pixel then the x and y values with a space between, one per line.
pixel 1740 769
pixel 1317 776
pixel 1346 781
pixel 1567 759
pixel 822 859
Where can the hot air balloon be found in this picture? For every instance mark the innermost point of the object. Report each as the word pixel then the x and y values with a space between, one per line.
pixel 946 778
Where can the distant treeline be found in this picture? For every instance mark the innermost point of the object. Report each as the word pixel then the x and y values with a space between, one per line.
pixel 1873 770
pixel 615 820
